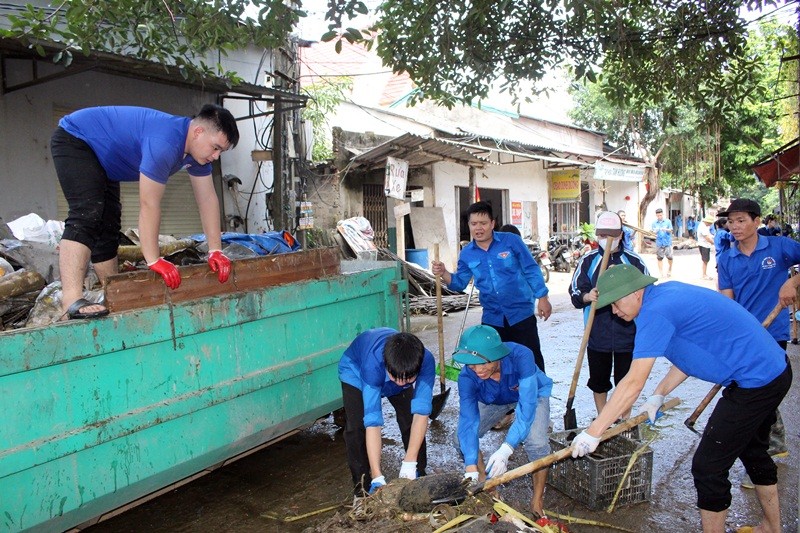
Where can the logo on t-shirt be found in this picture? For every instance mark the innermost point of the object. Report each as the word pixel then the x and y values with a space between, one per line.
pixel 768 263
pixel 503 255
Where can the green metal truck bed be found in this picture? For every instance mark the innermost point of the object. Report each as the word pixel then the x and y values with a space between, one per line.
pixel 96 414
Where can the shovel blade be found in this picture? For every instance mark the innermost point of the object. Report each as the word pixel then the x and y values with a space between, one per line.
pixel 570 420
pixel 438 403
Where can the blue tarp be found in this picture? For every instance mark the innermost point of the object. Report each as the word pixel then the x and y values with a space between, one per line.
pixel 269 243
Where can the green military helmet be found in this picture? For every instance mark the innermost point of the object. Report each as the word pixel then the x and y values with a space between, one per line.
pixel 479 345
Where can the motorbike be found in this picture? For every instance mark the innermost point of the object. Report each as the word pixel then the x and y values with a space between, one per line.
pixel 565 251
pixel 542 258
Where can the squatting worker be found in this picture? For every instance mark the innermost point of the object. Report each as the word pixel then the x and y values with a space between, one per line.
pixel 737 353
pixel 94 149
pixel 611 338
pixel 507 276
pixel 498 376
pixel 384 363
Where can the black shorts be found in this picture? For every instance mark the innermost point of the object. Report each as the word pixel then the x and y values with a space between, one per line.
pixel 94 203
pixel 600 364
pixel 705 253
pixel 739 427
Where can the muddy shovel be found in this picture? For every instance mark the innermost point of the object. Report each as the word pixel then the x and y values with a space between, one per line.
pixel 440 399
pixel 422 494
pixel 570 420
pixel 690 422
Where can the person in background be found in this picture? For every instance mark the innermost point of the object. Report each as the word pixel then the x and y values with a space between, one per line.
pixel 679 225
pixel 611 338
pixel 627 233
pixel 663 230
pixel 754 273
pixel 705 241
pixel 722 238
pixel 508 278
pixel 498 376
pixel 770 227
pixel 737 353
pixel 96 148
pixel 691 227
pixel 382 363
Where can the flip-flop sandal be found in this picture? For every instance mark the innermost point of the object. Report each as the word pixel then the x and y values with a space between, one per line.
pixel 74 310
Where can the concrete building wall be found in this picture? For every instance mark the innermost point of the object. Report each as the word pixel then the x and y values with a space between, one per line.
pixel 27 120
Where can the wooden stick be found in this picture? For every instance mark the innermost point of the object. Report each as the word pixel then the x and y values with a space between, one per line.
pixel 439 320
pixel 585 340
pixel 547 460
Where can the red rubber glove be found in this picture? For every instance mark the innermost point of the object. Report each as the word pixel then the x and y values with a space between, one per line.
pixel 168 271
pixel 219 264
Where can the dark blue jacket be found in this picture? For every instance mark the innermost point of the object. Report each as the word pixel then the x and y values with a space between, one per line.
pixel 609 332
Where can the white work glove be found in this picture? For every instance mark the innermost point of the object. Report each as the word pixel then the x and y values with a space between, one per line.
pixel 471 476
pixel 408 470
pixel 584 444
pixel 651 407
pixel 498 462
pixel 377 483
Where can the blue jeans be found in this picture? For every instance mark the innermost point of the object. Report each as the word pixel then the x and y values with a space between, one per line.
pixel 536 444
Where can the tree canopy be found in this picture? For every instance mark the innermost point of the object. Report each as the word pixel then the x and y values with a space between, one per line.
pixel 706 149
pixel 645 50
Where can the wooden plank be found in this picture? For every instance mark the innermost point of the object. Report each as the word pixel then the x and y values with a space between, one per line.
pixel 136 290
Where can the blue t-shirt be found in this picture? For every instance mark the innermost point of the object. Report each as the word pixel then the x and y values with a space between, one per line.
pixel 133 140
pixel 663 230
pixel 521 382
pixel 627 238
pixel 362 367
pixel 722 241
pixel 506 275
pixel 733 347
pixel 756 279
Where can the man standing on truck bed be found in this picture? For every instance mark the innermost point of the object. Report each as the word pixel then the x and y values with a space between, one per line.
pixel 507 277
pixel 94 149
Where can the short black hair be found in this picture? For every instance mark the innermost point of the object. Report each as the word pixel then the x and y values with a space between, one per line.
pixel 402 355
pixel 480 207
pixel 221 120
pixel 510 228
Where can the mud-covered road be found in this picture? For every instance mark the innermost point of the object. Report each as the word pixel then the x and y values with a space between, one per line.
pixel 307 472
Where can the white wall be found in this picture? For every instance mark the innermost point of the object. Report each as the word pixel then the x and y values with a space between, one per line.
pixel 524 181
pixel 27 174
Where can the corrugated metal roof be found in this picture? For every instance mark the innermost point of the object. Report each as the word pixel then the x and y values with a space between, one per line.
pixel 418 151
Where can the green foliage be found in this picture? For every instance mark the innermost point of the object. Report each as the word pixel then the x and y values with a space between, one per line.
pixel 586 232
pixel 179 33
pixel 647 50
pixel 324 98
pixel 705 152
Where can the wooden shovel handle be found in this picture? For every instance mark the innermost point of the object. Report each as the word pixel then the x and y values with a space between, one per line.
pixel 586 331
pixel 439 319
pixel 715 389
pixel 566 452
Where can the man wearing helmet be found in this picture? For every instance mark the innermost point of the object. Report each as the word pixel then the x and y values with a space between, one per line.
pixel 499 376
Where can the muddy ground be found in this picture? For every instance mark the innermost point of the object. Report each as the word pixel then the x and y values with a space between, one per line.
pixel 307 472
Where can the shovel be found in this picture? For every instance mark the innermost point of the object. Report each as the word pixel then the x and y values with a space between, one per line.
pixel 411 498
pixel 689 422
pixel 570 420
pixel 440 399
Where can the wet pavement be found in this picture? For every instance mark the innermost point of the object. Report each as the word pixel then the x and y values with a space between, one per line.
pixel 307 472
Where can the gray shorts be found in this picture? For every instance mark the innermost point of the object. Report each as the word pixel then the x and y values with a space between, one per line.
pixel 664 251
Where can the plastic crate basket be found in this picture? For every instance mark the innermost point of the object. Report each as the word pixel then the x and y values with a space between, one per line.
pixel 593 480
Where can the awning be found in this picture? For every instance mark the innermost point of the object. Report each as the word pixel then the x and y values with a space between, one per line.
pixel 418 151
pixel 782 165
